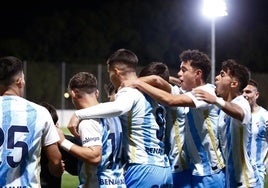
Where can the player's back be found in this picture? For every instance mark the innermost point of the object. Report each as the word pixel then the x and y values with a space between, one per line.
pixel 140 130
pixel 23 124
pixel 110 171
pixel 259 146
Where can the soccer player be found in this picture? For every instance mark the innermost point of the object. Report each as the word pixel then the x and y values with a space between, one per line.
pixel 70 162
pixel 101 138
pixel 146 163
pixel 201 121
pixel 173 127
pixel 178 157
pixel 259 144
pixel 25 128
pixel 160 112
pixel 234 123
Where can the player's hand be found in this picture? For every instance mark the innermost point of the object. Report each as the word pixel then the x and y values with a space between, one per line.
pixel 204 95
pixel 61 134
pixel 73 125
pixel 62 166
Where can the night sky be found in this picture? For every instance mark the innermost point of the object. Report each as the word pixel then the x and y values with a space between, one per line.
pixel 17 16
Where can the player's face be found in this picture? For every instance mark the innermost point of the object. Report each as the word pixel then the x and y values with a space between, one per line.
pixel 223 84
pixel 187 76
pixel 251 94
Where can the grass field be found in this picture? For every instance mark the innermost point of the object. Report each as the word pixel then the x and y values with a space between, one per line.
pixel 69 181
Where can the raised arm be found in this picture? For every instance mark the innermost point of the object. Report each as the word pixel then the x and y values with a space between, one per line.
pixel 156 81
pixel 159 95
pixel 121 105
pixel 229 108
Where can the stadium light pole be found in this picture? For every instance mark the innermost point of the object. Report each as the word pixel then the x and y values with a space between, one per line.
pixel 213 9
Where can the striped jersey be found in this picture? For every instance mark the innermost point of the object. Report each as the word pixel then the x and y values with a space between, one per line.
pixel 259 142
pixel 106 133
pixel 235 138
pixel 201 131
pixel 25 127
pixel 175 139
pixel 141 145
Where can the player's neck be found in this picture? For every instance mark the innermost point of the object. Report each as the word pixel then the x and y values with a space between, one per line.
pixel 86 102
pixel 11 92
pixel 255 108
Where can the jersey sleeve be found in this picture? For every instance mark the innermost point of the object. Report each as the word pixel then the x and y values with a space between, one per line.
pixel 50 133
pixel 243 103
pixel 123 103
pixel 199 103
pixel 90 133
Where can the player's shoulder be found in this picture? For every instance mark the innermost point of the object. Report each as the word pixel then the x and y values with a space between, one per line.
pixel 263 111
pixel 129 91
pixel 39 109
pixel 208 87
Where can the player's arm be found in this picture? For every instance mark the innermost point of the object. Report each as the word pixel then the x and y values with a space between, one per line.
pixel 49 143
pixel 229 108
pixel 175 81
pixel 156 81
pixel 121 105
pixel 91 155
pixel 55 164
pixel 160 95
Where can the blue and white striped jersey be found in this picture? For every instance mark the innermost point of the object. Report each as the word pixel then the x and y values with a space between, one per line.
pixel 140 130
pixel 175 143
pixel 201 132
pixel 108 134
pixel 259 144
pixel 141 145
pixel 234 139
pixel 25 127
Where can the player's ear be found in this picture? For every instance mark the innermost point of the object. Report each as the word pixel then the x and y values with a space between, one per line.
pixel 116 71
pixel 234 83
pixel 20 82
pixel 257 95
pixel 97 93
pixel 198 72
pixel 73 93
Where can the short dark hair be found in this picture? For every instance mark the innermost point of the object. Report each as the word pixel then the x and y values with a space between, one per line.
pixel 84 82
pixel 52 110
pixel 238 71
pixel 156 68
pixel 198 60
pixel 123 56
pixel 253 83
pixel 9 67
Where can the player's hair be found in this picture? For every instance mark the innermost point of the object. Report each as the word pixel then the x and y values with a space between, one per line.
pixel 124 57
pixel 156 68
pixel 9 67
pixel 52 110
pixel 238 71
pixel 198 60
pixel 83 82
